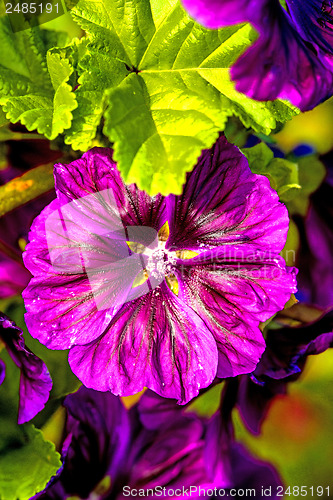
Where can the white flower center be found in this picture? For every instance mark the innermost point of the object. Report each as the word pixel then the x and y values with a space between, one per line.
pixel 160 261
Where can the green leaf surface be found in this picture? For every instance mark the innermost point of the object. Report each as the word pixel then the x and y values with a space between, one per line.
pixel 128 24
pixel 160 83
pixel 311 174
pixel 282 174
pixel 158 9
pixel 34 87
pixel 98 73
pixel 3 119
pixel 118 35
pixel 27 468
pixel 159 154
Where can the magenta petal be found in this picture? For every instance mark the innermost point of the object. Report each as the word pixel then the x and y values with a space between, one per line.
pixel 155 341
pixel 313 20
pixel 13 278
pixel 223 203
pixel 216 13
pixel 232 301
pixel 239 349
pixel 35 387
pixel 66 316
pixel 35 381
pixel 37 256
pixel 253 285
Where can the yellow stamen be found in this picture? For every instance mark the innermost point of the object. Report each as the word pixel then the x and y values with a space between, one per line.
pixel 140 278
pixel 186 254
pixel 136 247
pixel 172 283
pixel 164 232
pixel 103 487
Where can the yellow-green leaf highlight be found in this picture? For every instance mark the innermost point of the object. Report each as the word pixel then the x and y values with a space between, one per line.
pixel 22 189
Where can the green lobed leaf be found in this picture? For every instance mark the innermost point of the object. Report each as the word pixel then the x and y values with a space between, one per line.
pixel 161 83
pixel 282 174
pixel 158 155
pixel 104 73
pixel 64 100
pixel 34 87
pixel 27 468
pixel 120 32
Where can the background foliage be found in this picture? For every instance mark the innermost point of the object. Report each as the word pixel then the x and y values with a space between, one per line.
pixel 80 82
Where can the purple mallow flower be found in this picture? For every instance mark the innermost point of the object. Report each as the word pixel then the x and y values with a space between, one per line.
pixel 292 58
pixel 158 292
pixel 35 381
pixel 113 453
pixel 227 461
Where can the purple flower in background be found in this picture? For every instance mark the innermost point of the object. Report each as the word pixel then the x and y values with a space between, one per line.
pixel 283 361
pixel 228 462
pixel 165 293
pixel 292 58
pixel 315 257
pixel 35 381
pixel 155 444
